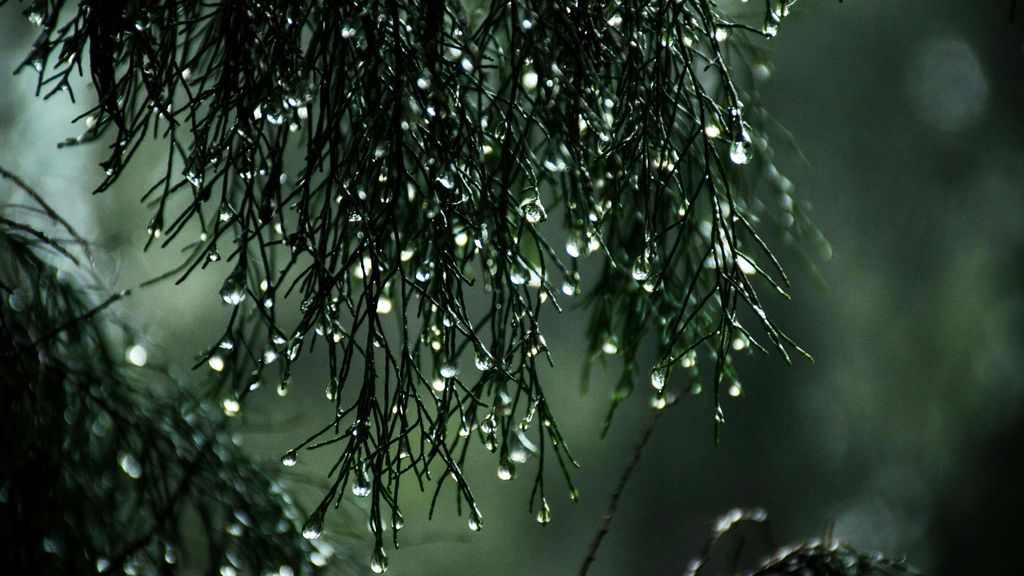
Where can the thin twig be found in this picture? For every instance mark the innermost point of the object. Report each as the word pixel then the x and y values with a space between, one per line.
pixel 613 506
pixel 4 173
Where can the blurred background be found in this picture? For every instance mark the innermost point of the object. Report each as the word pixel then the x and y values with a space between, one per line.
pixel 904 437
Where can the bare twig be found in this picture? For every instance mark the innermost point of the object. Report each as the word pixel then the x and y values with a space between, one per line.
pixel 613 506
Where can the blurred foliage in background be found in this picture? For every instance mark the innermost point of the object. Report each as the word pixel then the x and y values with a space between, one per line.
pixel 904 436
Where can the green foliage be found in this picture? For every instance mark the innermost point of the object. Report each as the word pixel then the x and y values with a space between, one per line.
pixel 109 470
pixel 388 169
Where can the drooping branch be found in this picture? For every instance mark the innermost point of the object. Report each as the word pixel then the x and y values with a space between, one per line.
pixel 388 169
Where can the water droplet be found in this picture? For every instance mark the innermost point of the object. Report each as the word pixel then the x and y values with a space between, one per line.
pixel 506 470
pixel 659 401
pixel 476 521
pixel 740 342
pixel 130 465
pixel 735 390
pixel 269 355
pixel 740 152
pixel 449 370
pixel 216 363
pixel 711 129
pixel 379 561
pixel 282 388
pixel 290 458
pixel 361 484
pixel 556 166
pixel 576 245
pixel 641 270
pixel 530 80
pixel 521 448
pixel 233 289
pixel 488 424
pixel 231 406
pixel 689 360
pixel 467 64
pixel 423 273
pixel 610 346
pixel 544 514
pixel 483 361
pixel 658 378
pixel 137 355
pixel 517 275
pixel 315 525
pixel 533 210
pixel 384 305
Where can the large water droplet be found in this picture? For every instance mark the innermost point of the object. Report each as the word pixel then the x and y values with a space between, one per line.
pixel 483 361
pixel 488 424
pixel 610 345
pixel 449 370
pixel 740 342
pixel 506 470
pixel 544 514
pixel 517 275
pixel 641 270
pixel 741 151
pixel 290 458
pixel 520 448
pixel 216 363
pixel 137 355
pixel 379 561
pixel 658 378
pixel 530 80
pixel 315 525
pixel 476 521
pixel 361 484
pixel 130 465
pixel 269 355
pixel 397 520
pixel 533 210
pixel 231 406
pixel 233 289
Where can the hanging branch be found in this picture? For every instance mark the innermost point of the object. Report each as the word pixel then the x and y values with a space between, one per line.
pixel 388 168
pixel 111 466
